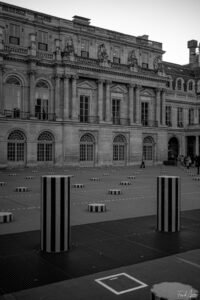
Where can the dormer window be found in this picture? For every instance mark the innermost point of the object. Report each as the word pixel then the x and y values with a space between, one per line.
pixel 42 40
pixel 14 34
pixel 85 48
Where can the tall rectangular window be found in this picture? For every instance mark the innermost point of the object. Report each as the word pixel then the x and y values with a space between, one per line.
pixel 180 117
pixel 42 40
pixel 41 109
pixel 191 116
pixel 168 116
pixel 85 48
pixel 144 113
pixel 14 34
pixel 84 109
pixel 116 111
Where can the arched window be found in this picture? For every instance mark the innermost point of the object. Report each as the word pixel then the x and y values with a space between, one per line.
pixel 179 84
pixel 87 147
pixel 16 146
pixel 13 93
pixel 42 100
pixel 119 148
pixel 190 86
pixel 45 147
pixel 148 144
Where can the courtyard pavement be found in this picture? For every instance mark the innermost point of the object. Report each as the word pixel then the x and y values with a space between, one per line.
pixel 123 240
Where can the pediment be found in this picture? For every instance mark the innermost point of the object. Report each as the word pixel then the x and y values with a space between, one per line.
pixel 147 93
pixel 87 85
pixel 118 89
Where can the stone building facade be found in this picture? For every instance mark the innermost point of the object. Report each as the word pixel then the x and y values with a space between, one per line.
pixel 75 94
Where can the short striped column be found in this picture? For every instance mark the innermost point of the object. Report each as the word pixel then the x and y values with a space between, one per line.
pixel 96 207
pixel 55 213
pixel 173 291
pixel 6 217
pixel 168 203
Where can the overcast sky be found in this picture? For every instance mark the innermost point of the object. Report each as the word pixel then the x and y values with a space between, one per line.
pixel 171 22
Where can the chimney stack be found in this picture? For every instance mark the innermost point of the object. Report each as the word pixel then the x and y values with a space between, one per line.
pixel 192 45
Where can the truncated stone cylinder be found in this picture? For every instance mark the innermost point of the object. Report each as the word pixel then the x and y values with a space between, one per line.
pixel 55 213
pixel 168 203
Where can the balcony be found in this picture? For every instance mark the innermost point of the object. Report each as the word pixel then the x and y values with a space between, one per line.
pixel 45 116
pixel 89 119
pixel 16 114
pixel 149 123
pixel 120 121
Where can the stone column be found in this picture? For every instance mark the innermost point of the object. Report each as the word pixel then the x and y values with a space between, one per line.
pixel 157 107
pixel 163 107
pixel 66 97
pixel 2 105
pixel 130 104
pixel 31 105
pixel 138 105
pixel 57 98
pixel 74 98
pixel 108 101
pixel 100 100
pixel 197 145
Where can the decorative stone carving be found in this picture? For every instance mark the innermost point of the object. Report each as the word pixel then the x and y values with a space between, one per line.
pixel 102 53
pixel 69 52
pixel 58 51
pixel 132 61
pixel 32 48
pixel 158 66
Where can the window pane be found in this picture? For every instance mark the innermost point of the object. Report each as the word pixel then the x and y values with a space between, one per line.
pixel 20 152
pixel 11 152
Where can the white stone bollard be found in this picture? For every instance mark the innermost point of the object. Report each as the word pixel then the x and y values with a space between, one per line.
pixel 6 217
pixel 55 213
pixel 168 203
pixel 96 207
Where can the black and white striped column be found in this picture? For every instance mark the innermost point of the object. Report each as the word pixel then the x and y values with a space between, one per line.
pixel 55 213
pixel 168 203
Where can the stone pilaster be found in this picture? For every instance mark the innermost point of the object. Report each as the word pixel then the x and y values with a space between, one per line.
pixel 57 98
pixel 31 105
pixel 158 106
pixel 197 145
pixel 66 97
pixel 138 105
pixel 2 105
pixel 74 98
pixel 131 104
pixel 163 106
pixel 100 100
pixel 108 101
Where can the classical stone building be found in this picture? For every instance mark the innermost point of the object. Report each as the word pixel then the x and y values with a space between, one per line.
pixel 75 94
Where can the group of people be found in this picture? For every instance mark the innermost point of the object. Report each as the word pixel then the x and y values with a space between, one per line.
pixel 189 161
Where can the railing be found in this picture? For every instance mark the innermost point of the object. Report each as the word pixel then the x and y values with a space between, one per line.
pixel 16 114
pixel 45 116
pixel 149 123
pixel 180 124
pixel 45 55
pixel 19 50
pixel 89 119
pixel 120 121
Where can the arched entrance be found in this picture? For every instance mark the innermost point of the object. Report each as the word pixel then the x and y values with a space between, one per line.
pixel 173 148
pixel 45 148
pixel 16 148
pixel 87 147
pixel 148 150
pixel 119 150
